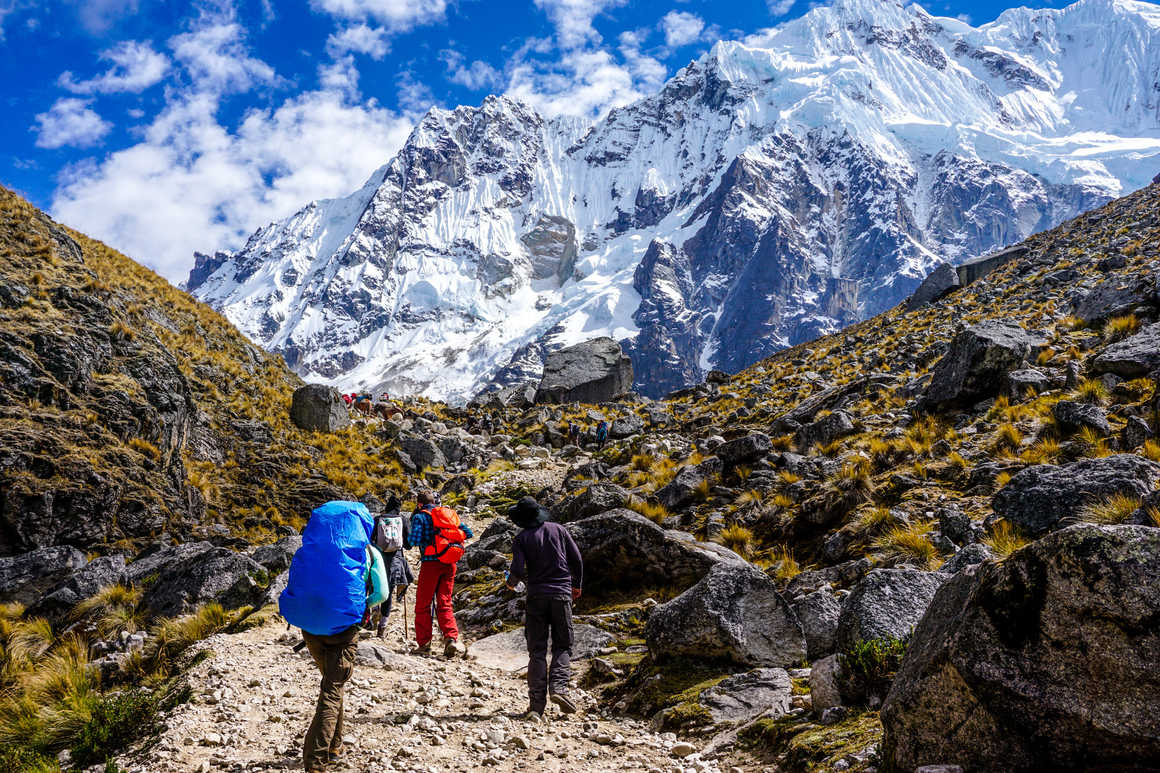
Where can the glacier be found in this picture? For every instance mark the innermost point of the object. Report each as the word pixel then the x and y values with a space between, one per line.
pixel 775 189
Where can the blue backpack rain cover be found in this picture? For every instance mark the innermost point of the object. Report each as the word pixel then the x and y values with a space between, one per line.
pixel 326 592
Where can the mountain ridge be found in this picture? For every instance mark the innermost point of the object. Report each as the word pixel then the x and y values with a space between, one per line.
pixel 794 183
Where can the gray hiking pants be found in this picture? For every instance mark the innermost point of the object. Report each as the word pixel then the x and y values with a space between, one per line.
pixel 548 618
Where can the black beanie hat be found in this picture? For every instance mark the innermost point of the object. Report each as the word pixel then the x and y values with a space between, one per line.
pixel 527 513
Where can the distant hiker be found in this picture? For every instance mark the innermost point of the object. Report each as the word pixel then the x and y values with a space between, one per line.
pixel 390 537
pixel 327 596
pixel 439 535
pixel 573 433
pixel 545 556
pixel 348 399
pixel 601 435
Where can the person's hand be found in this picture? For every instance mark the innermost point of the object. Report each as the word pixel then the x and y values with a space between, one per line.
pixel 402 594
pixel 576 594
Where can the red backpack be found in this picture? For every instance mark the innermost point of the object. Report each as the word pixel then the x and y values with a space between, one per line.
pixel 449 536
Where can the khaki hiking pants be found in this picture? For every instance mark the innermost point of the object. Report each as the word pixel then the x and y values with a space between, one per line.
pixel 334 656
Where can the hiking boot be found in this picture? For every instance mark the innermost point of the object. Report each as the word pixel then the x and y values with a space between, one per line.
pixel 565 703
pixel 453 649
pixel 531 715
pixel 423 651
pixel 382 632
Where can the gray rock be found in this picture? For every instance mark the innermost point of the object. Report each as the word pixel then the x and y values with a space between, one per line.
pixel 825 430
pixel 422 450
pixel 1118 296
pixel 842 575
pixel 596 499
pixel 28 576
pixel 148 565
pixel 1135 356
pixel 743 697
pixel 508 651
pixel 750 448
pixel 972 555
pixel 626 426
pixel 958 527
pixel 98 574
pixel 941 281
pixel 1073 416
pixel 1046 497
pixel 377 655
pixel 276 558
pixel 624 551
pixel 818 613
pixel 595 371
pixel 682 489
pixel 1136 431
pixel 1024 379
pixel 736 614
pixel 977 363
pixel 886 603
pixel 220 575
pixel 1044 661
pixel 318 408
pixel 825 676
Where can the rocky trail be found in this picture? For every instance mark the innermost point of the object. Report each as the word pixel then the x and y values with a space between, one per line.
pixel 254 697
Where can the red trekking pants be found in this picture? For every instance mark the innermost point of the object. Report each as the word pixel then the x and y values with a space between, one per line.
pixel 436 583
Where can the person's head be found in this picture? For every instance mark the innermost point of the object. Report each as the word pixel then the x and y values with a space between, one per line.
pixel 393 504
pixel 426 498
pixel 528 513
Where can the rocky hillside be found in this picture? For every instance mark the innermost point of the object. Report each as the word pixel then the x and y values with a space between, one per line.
pixel 774 190
pixel 129 412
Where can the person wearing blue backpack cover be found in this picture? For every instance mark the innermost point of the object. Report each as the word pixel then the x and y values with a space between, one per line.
pixel 333 577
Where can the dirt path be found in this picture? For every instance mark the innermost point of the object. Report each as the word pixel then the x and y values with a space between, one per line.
pixel 254 697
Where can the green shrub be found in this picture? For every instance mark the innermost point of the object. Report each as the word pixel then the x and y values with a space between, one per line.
pixel 115 722
pixel 872 663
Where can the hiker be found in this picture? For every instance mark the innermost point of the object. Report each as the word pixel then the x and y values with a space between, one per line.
pixel 348 399
pixel 439 535
pixel 574 433
pixel 601 435
pixel 390 535
pixel 326 596
pixel 545 556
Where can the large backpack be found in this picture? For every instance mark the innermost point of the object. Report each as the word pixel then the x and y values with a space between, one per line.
pixel 326 591
pixel 449 536
pixel 389 533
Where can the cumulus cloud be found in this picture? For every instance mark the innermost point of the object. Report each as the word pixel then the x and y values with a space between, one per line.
pixel 584 83
pixel 477 76
pixel 779 7
pixel 135 66
pixel 359 39
pixel 216 58
pixel 398 15
pixel 195 184
pixel 70 122
pixel 99 16
pixel 573 19
pixel 681 28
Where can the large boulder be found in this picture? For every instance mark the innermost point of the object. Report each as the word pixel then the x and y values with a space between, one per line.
pixel 595 371
pixel 276 558
pixel 825 430
pixel 1044 661
pixel 1073 416
pixel 887 603
pixel 1046 497
pixel 423 451
pixel 626 426
pixel 624 551
pixel 734 614
pixel 98 574
pixel 594 500
pixel 682 489
pixel 1133 357
pixel 750 448
pixel 28 576
pixel 508 651
pixel 942 280
pixel 318 408
pixel 818 613
pixel 218 574
pixel 742 697
pixel 977 364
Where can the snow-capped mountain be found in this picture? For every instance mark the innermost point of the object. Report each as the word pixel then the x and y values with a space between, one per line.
pixel 774 190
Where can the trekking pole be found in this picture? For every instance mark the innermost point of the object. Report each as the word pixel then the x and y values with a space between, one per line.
pixel 406 625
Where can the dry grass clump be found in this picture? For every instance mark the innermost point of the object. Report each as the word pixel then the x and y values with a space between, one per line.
pixel 653 511
pixel 737 538
pixel 1092 390
pixel 1151 450
pixel 1008 439
pixel 909 543
pixel 1094 445
pixel 1114 509
pixel 1004 539
pixel 785 566
pixel 112 609
pixel 1119 328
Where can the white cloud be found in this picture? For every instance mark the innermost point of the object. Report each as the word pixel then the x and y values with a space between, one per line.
pixel 582 83
pixel 99 16
pixel 573 19
pixel 359 39
pixel 216 59
pixel 681 28
pixel 135 67
pixel 477 76
pixel 779 7
pixel 194 184
pixel 398 15
pixel 70 122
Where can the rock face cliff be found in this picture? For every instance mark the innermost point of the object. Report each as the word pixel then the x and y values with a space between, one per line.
pixel 128 411
pixel 774 190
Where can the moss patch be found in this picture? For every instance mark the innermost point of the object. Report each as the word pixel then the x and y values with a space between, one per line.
pixel 802 745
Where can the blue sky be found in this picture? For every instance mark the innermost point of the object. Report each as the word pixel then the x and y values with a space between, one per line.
pixel 166 127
